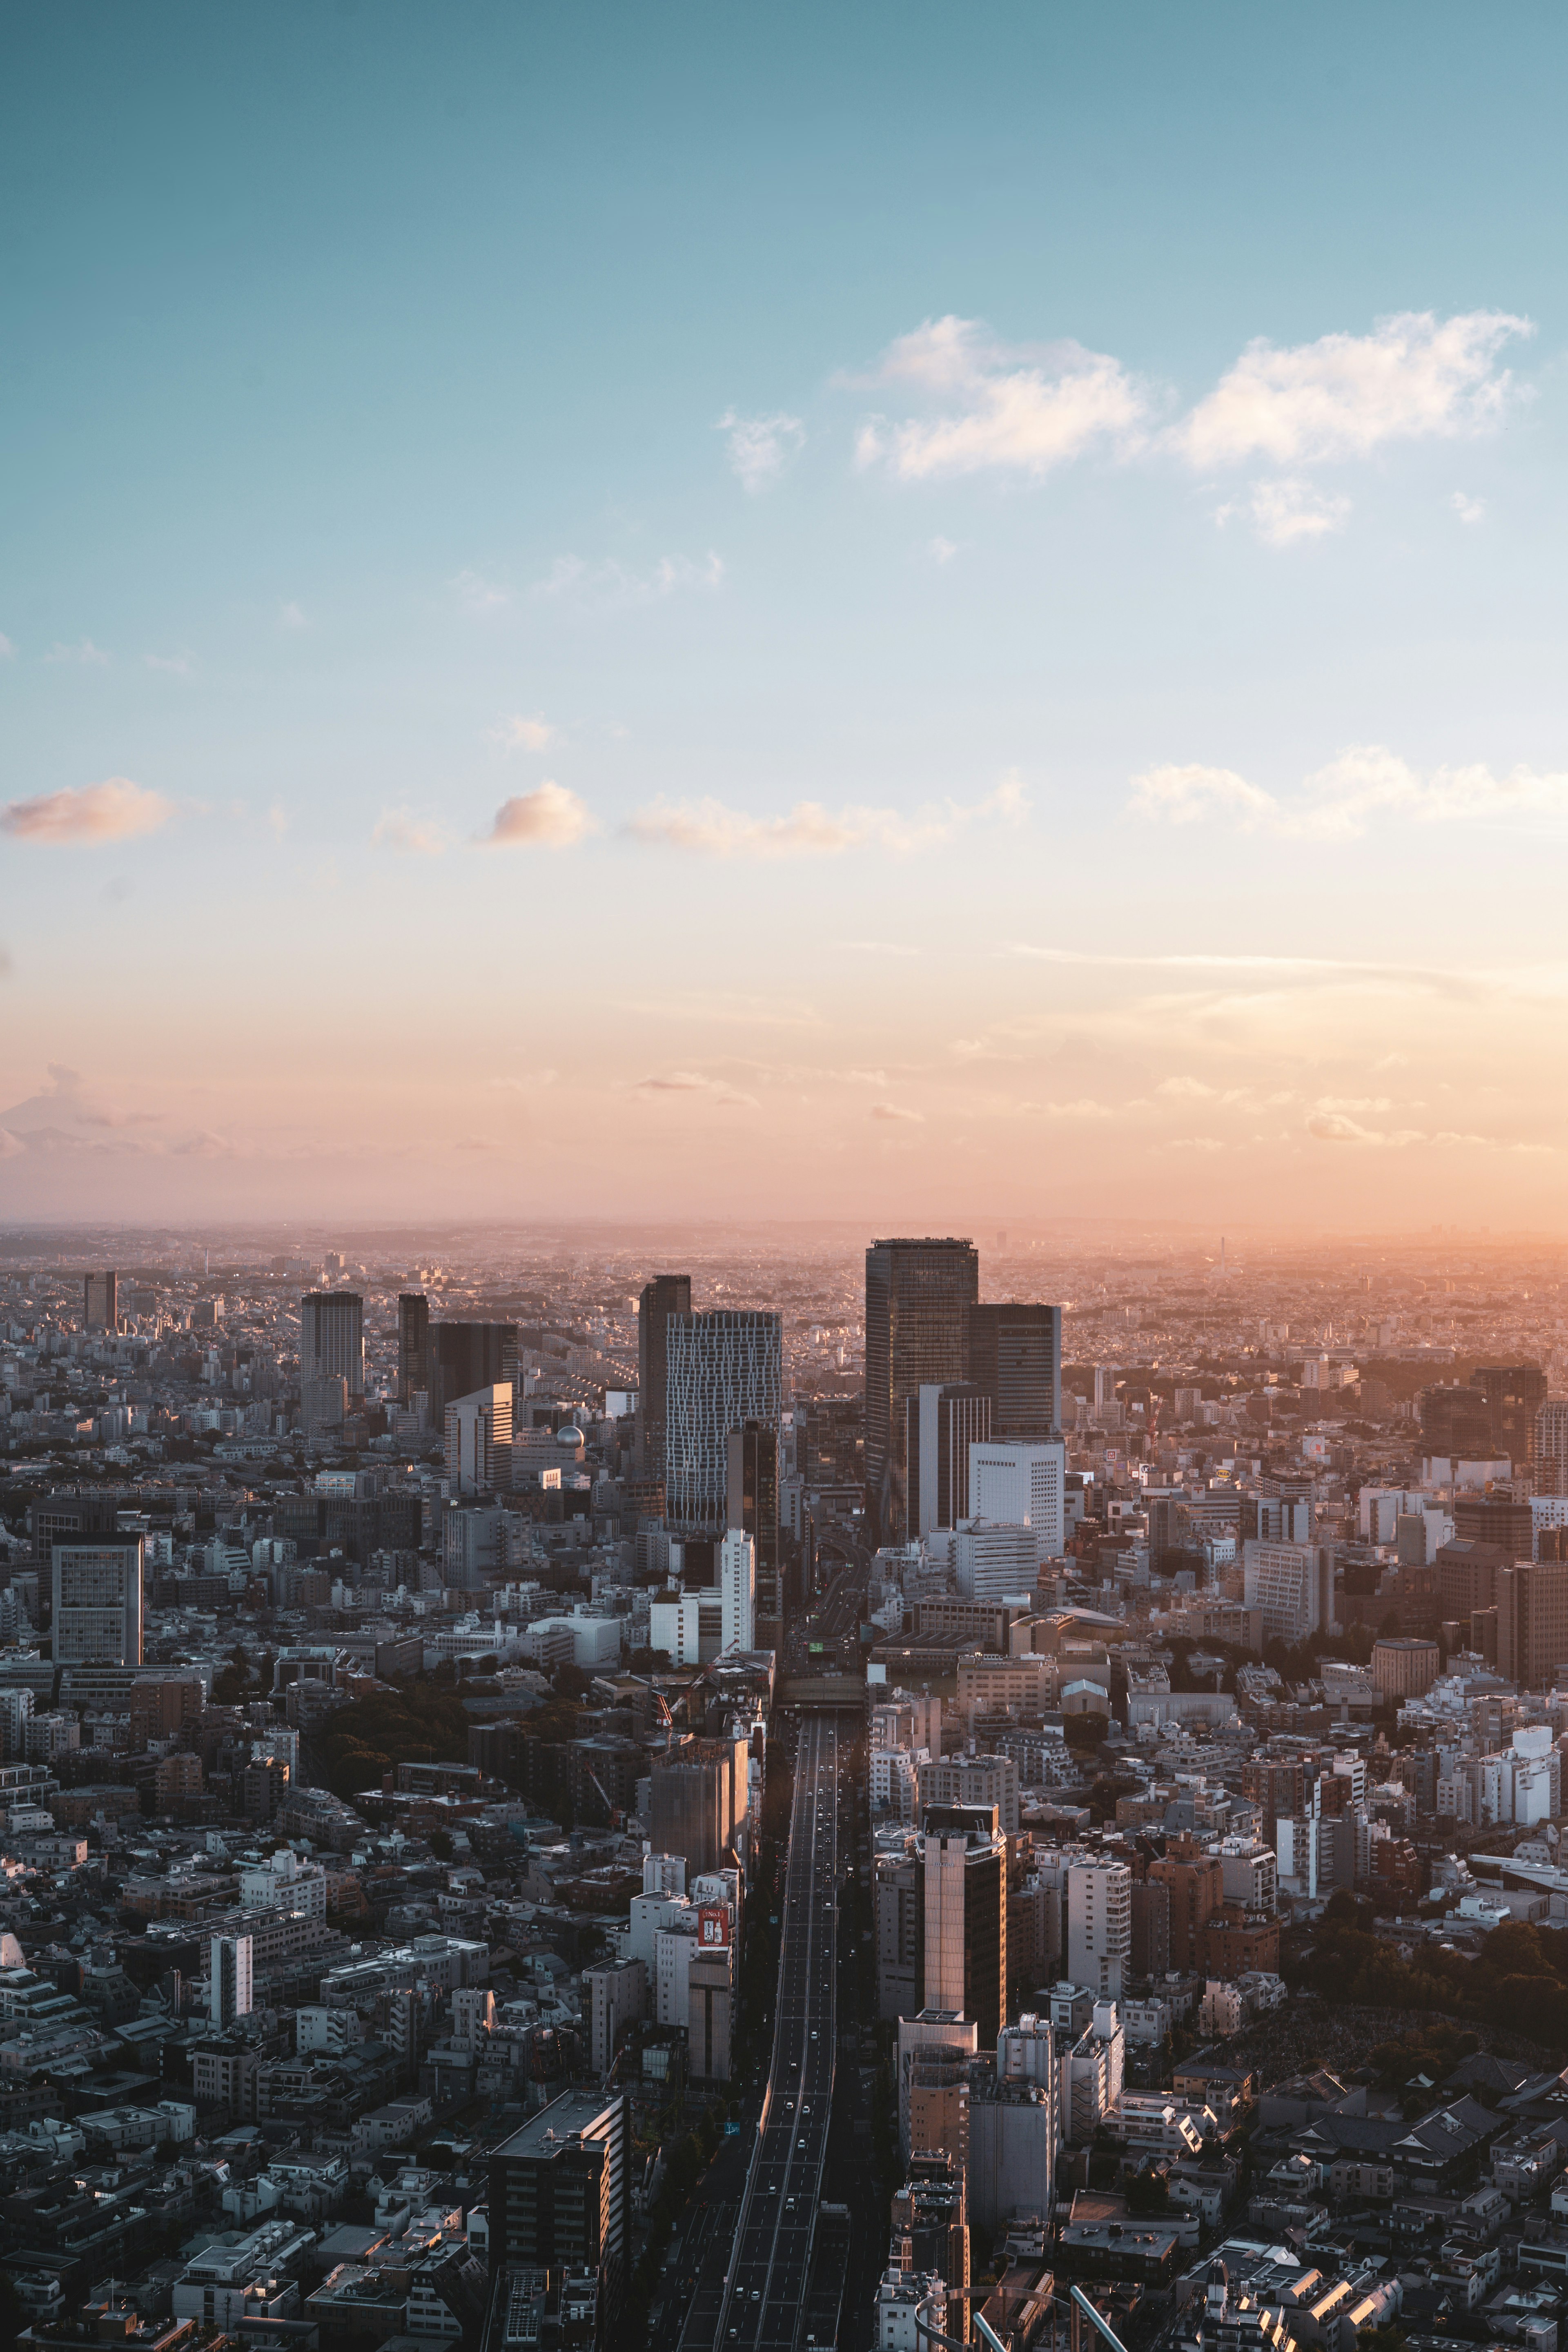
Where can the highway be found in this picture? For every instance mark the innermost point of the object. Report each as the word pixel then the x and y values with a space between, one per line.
pixel 760 2307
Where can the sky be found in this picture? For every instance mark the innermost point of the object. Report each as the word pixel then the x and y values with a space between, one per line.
pixel 896 612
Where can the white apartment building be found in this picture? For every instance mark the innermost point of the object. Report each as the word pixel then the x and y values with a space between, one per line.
pixel 736 1590
pixel 1023 1481
pixel 1099 1925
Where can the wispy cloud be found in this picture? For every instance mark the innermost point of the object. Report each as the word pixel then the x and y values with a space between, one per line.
pixel 84 651
pixel 1467 510
pixel 1412 378
pixel 417 836
pixel 1019 409
pixel 710 830
pixel 550 818
pixel 609 585
pixel 519 734
pixel 941 550
pixel 760 448
pixel 477 595
pixel 1339 801
pixel 1289 511
pixel 8 650
pixel 687 1082
pixel 896 1113
pixel 289 617
pixel 116 810
pixel 176 665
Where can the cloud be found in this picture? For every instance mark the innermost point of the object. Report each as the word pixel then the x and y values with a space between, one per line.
pixel 205 1146
pixel 1021 410
pixel 941 550
pixel 886 1110
pixel 518 734
pixel 176 665
pixel 709 829
pixel 1355 1103
pixel 1186 1089
pixel 8 650
pixel 477 595
pixel 116 810
pixel 289 617
pixel 116 1119
pixel 549 817
pixel 528 1083
pixel 278 820
pixel 11 1146
pixel 760 448
pixel 396 829
pixel 85 652
pixel 1339 801
pixel 1196 1143
pixel 1333 1127
pixel 1412 378
pixel 687 1082
pixel 1467 510
pixel 611 585
pixel 1285 511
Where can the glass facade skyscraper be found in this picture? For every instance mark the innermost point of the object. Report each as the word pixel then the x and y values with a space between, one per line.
pixel 918 1298
pixel 722 1368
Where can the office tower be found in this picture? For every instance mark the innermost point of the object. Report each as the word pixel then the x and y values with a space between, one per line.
pixel 1533 1622
pixel 1493 1519
pixel 98 1303
pixel 478 1441
pixel 941 1424
pixel 323 1403
pixel 1024 1484
pixel 738 1591
pixel 413 1346
pixel 1105 1386
pixel 918 1298
pixel 696 1795
pixel 1455 1424
pixel 665 1295
pixel 332 1338
pixel 752 1504
pixel 98 1601
pixel 559 2196
pixel 231 1980
pixel 465 1356
pixel 994 1561
pixel 1514 1394
pixel 723 1369
pixel 935 2049
pixel 1015 1359
pixel 1293 1585
pixel 965 1855
pixel 1099 1926
pixel 65 1515
pixel 1552 1447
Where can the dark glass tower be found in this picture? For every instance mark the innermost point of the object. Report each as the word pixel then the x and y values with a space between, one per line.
pixel 918 1298
pixel 665 1295
pixel 1015 1358
pixel 413 1345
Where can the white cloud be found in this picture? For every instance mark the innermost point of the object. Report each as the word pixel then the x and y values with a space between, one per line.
pixel 1183 1090
pixel 86 652
pixel 895 1112
pixel 1290 510
pixel 1019 410
pixel 712 830
pixel 177 665
pixel 518 734
pixel 477 595
pixel 611 585
pixel 396 829
pixel 116 810
pixel 942 550
pixel 1467 510
pixel 8 650
pixel 1339 801
pixel 760 448
pixel 1414 377
pixel 550 818
pixel 289 617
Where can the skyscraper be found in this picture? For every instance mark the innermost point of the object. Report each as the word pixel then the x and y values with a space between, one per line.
pixel 332 1338
pixel 463 1357
pixel 665 1295
pixel 941 1423
pixel 1099 1925
pixel 413 1346
pixel 100 1312
pixel 1015 1359
pixel 478 1441
pixel 918 1298
pixel 98 1601
pixel 1024 1484
pixel 964 1855
pixel 1514 1394
pixel 738 1591
pixel 752 1505
pixel 231 1980
pixel 560 2194
pixel 723 1369
pixel 1532 1621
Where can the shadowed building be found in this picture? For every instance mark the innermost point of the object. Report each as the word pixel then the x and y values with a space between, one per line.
pixel 918 1298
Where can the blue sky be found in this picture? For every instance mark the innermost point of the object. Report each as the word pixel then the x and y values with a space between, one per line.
pixel 368 480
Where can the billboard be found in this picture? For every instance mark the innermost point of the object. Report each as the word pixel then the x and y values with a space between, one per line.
pixel 712 1925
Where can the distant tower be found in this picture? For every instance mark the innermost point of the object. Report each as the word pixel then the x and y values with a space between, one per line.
pixel 665 1295
pixel 918 1296
pixel 332 1338
pixel 98 1303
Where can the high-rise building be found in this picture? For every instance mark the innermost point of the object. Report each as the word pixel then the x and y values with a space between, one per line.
pixel 1015 1359
pixel 1552 1447
pixel 98 1601
pixel 99 1307
pixel 737 1590
pixel 665 1295
pixel 1514 1394
pixel 941 1423
pixel 231 1980
pixel 1533 1622
pixel 1024 1484
pixel 1293 1585
pixel 964 1856
pixel 918 1298
pixel 559 2195
pixel 465 1357
pixel 1456 1423
pixel 1099 1926
pixel 1195 1883
pixel 995 1560
pixel 723 1369
pixel 332 1338
pixel 752 1504
pixel 478 1441
pixel 1494 1519
pixel 413 1346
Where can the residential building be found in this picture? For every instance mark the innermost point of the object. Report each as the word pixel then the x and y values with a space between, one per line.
pixel 736 1590
pixel 1293 1586
pixel 559 2191
pixel 98 1601
pixel 964 1856
pixel 1099 1925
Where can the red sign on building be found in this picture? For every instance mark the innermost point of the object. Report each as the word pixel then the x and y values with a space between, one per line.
pixel 713 1924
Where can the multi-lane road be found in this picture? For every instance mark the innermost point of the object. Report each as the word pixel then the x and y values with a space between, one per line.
pixel 759 2306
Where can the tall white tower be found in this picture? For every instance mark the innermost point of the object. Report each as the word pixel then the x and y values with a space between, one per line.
pixel 738 1591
